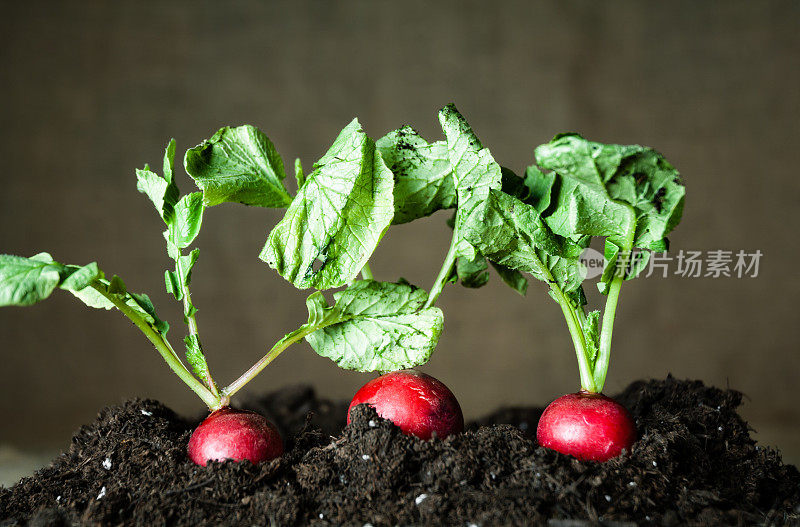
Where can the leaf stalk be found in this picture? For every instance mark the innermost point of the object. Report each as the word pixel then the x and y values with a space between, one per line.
pixel 444 272
pixel 163 347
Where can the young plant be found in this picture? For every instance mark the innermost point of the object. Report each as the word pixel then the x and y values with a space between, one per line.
pixel 541 224
pixel 456 172
pixel 330 230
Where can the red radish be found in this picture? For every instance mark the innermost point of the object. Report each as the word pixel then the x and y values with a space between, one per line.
pixel 588 426
pixel 237 435
pixel 417 403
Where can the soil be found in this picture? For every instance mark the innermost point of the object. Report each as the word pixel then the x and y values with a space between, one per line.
pixel 694 464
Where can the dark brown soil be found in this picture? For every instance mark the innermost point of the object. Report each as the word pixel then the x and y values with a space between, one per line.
pixel 694 463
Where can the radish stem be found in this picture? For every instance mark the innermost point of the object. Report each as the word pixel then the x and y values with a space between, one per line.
pixel 162 346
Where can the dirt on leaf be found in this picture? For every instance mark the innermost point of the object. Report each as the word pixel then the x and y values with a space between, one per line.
pixel 694 464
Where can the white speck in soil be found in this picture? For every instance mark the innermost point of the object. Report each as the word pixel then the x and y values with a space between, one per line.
pixel 631 483
pixel 419 499
pixel 372 423
pixel 107 463
pixel 321 515
pixel 367 525
pixel 608 498
pixel 58 498
pixel 472 525
pixel 719 428
pixel 655 464
pixel 145 412
pixel 102 493
pixel 493 475
pixel 365 457
pixel 647 518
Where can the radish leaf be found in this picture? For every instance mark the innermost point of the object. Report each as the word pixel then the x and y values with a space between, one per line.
pixel 375 326
pixel 195 357
pixel 187 220
pixel 512 233
pixel 475 171
pixel 423 178
pixel 598 183
pixel 338 217
pixel 26 281
pixel 238 165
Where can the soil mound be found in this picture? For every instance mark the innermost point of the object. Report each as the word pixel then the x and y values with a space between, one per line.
pixel 694 463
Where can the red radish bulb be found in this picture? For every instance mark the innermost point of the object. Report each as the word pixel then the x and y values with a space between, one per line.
pixel 417 403
pixel 234 434
pixel 588 426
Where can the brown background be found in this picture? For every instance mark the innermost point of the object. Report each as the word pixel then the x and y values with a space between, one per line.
pixel 90 91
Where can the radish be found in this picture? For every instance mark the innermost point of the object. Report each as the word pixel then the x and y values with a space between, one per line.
pixel 234 434
pixel 588 426
pixel 417 403
pixel 542 224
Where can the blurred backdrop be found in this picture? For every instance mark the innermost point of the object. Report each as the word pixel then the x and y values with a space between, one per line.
pixel 91 90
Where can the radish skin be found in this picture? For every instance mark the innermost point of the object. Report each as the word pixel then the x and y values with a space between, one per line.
pixel 236 435
pixel 417 403
pixel 588 426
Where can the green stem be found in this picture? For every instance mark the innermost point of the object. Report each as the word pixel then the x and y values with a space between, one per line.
pixel 191 321
pixel 604 353
pixel 444 272
pixel 578 338
pixel 276 350
pixel 610 311
pixel 366 272
pixel 162 346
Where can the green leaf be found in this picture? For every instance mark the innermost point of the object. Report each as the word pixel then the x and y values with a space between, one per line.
pixel 154 186
pixel 298 173
pixel 173 285
pixel 338 217
pixel 598 184
pixel 238 165
pixel 146 306
pixel 318 310
pixel 472 273
pixel 375 326
pixel 513 234
pixel 25 281
pixel 195 357
pixel 169 162
pixel 80 277
pixel 117 286
pixel 513 278
pixel 188 219
pixel 423 179
pixel 539 186
pixel 591 330
pixel 475 172
pixel 162 191
pixel 172 250
pixel 186 264
pixel 92 298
